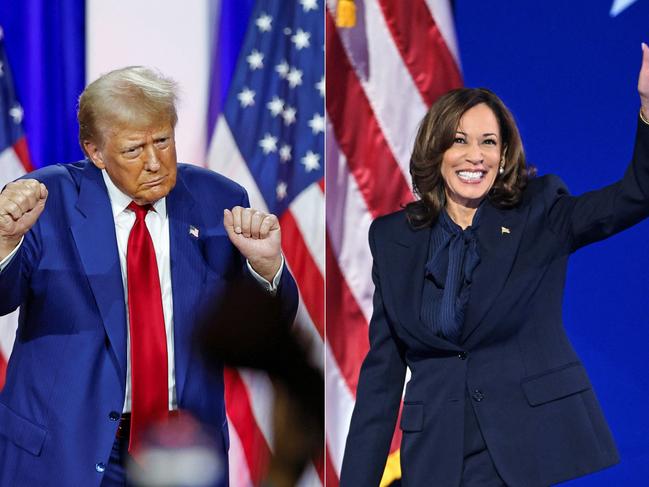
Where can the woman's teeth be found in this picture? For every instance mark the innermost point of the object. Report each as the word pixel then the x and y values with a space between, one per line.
pixel 470 175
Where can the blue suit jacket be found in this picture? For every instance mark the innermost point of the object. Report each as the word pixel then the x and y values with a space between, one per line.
pixel 531 395
pixel 68 367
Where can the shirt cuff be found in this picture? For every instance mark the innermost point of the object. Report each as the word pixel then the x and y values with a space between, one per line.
pixel 271 287
pixel 5 262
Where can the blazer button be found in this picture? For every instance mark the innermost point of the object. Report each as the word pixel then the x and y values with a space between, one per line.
pixel 100 467
pixel 478 395
pixel 114 416
pixel 462 355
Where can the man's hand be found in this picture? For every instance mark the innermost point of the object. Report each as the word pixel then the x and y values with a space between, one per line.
pixel 21 203
pixel 643 81
pixel 258 238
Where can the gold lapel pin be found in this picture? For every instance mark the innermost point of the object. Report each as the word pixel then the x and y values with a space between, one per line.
pixel 504 230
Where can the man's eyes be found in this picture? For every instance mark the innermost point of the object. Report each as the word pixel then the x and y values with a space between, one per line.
pixel 131 152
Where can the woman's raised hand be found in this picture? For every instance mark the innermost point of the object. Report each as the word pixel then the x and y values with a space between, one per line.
pixel 643 81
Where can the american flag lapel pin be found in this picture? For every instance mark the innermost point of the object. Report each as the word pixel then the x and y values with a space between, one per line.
pixel 504 230
pixel 193 231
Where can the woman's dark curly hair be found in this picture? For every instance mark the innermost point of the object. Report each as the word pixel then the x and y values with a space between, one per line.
pixel 436 135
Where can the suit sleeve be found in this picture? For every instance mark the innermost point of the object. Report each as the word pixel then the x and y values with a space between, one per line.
pixel 378 396
pixel 14 278
pixel 599 214
pixel 286 291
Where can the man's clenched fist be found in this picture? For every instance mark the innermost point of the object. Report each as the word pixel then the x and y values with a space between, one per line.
pixel 21 203
pixel 257 236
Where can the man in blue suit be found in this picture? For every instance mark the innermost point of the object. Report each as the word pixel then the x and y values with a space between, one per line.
pixel 80 372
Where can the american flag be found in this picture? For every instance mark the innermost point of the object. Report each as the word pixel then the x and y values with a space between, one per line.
pixel 382 75
pixel 269 136
pixel 14 162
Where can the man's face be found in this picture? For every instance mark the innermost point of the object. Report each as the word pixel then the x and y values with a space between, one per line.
pixel 139 157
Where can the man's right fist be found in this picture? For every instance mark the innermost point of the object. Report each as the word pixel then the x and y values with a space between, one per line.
pixel 21 203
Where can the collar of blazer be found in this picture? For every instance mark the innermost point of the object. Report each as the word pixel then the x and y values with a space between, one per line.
pixel 186 280
pixel 499 236
pixel 93 231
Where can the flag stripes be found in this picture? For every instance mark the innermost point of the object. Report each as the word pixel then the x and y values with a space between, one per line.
pixel 253 442
pixel 385 72
pixel 348 343
pixel 412 26
pixel 269 138
pixel 14 162
pixel 358 133
pixel 22 154
pixel 353 258
pixel 339 403
pixel 302 264
pixel 377 62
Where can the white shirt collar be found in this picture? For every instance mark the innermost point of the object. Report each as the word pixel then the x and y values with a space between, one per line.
pixel 120 201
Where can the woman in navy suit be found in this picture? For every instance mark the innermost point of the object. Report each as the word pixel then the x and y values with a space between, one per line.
pixel 469 283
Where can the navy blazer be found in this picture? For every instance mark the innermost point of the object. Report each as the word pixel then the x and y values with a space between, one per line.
pixel 67 371
pixel 531 395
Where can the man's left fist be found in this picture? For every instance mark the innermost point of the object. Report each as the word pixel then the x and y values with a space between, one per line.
pixel 257 236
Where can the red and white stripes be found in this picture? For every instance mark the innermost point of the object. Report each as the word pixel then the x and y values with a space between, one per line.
pixel 382 75
pixel 14 162
pixel 249 396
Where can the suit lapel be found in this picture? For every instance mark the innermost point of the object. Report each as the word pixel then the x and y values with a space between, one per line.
pixel 187 267
pixel 499 236
pixel 93 230
pixel 407 273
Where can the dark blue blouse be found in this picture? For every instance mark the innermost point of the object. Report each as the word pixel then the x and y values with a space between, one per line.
pixel 452 258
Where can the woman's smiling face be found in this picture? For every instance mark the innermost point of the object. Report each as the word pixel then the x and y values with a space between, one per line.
pixel 470 165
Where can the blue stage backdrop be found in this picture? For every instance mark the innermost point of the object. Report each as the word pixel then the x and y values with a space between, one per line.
pixel 45 43
pixel 568 71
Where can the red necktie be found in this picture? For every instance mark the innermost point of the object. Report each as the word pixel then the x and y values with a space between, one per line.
pixel 149 389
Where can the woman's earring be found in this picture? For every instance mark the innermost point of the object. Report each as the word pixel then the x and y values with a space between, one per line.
pixel 501 170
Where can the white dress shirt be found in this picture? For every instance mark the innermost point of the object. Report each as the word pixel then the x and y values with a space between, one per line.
pixel 157 223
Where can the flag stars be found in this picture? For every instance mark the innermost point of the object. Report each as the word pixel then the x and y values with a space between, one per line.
pixel 309 4
pixel 320 86
pixel 289 115
pixel 16 113
pixel 264 22
pixel 311 161
pixel 317 124
pixel 268 144
pixel 294 77
pixel 301 39
pixel 281 191
pixel 285 153
pixel 282 69
pixel 246 97
pixel 255 60
pixel 276 106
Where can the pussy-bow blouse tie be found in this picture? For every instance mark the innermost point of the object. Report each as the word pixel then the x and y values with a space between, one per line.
pixel 454 258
